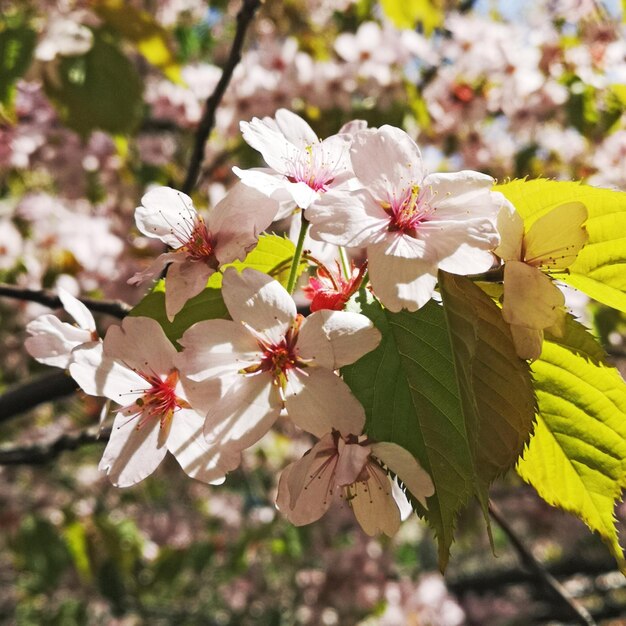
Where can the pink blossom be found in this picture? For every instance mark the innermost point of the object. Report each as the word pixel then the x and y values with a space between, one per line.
pixel 52 341
pixel 301 167
pixel 351 468
pixel 135 368
pixel 199 247
pixel 269 358
pixel 330 290
pixel 411 223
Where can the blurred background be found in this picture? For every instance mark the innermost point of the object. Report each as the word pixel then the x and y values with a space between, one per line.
pixel 100 99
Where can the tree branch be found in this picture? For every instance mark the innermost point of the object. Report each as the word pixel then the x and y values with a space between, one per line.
pixel 40 453
pixel 49 299
pixel 44 388
pixel 244 18
pixel 551 584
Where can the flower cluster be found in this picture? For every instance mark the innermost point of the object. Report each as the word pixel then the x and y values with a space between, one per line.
pixel 365 190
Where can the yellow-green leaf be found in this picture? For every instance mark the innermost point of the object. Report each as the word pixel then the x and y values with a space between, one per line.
pixel 600 268
pixel 140 28
pixel 576 459
pixel 427 13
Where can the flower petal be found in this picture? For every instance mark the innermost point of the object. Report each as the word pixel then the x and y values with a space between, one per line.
pixel 528 341
pixel 265 137
pixel 132 453
pixel 348 218
pixel 531 299
pixel 184 281
pixel 294 128
pixel 406 467
pixel 352 459
pixel 246 411
pixel 398 282
pixel 373 504
pixel 336 338
pixel 81 314
pixel 386 160
pixel 259 301
pixel 238 219
pixel 215 348
pixel 141 344
pixel 165 214
pixel 511 229
pixel 52 340
pixel 98 375
pixel 200 460
pixel 317 400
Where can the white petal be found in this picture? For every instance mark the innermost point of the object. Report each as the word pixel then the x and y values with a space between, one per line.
pixel 200 460
pixel 373 504
pixel 336 338
pixel 245 412
pixel 398 282
pixel 98 375
pixel 295 129
pixel 81 314
pixel 511 229
pixel 52 340
pixel 216 348
pixel 132 454
pixel 141 344
pixel 351 219
pixel 467 259
pixel 352 459
pixel 463 195
pixel 531 299
pixel 165 214
pixel 406 467
pixel 259 301
pixel 277 151
pixel 386 161
pixel 237 221
pixel 184 281
pixel 318 400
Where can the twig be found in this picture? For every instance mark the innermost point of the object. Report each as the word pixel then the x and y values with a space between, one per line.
pixel 244 18
pixel 44 388
pixel 551 584
pixel 49 299
pixel 39 453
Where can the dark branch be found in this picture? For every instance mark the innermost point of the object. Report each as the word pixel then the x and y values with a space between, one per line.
pixel 551 584
pixel 39 453
pixel 244 18
pixel 49 299
pixel 44 388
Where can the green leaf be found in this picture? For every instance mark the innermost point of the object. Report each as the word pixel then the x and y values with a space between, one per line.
pixel 16 50
pixel 408 389
pixel 139 27
pixel 600 268
pixel 98 90
pixel 207 305
pixel 403 14
pixel 496 386
pixel 576 459
pixel 76 540
pixel 270 256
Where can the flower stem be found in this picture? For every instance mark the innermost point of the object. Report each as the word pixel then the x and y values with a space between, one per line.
pixel 297 255
pixel 345 266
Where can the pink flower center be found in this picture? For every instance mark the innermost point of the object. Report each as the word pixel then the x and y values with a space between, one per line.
pixel 312 168
pixel 199 245
pixel 407 211
pixel 159 401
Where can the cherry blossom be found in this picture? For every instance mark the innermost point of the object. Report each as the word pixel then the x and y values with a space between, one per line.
pixel 351 468
pixel 330 290
pixel 269 358
pixel 533 303
pixel 199 247
pixel 301 167
pixel 135 368
pixel 52 341
pixel 411 223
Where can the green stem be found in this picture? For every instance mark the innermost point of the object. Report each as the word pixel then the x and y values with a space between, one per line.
pixel 345 266
pixel 297 255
